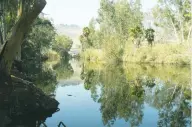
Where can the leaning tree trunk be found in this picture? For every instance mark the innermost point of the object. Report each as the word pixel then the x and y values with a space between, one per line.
pixel 12 46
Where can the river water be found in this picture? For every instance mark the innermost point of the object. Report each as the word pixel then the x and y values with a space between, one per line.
pixel 125 95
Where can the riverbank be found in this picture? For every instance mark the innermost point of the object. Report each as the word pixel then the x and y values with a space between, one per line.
pixel 177 54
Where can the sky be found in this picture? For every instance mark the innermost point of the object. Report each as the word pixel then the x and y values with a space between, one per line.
pixel 79 12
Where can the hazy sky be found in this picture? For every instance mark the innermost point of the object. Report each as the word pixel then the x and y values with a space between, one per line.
pixel 78 11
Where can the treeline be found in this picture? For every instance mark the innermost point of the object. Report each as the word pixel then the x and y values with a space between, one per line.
pixel 24 36
pixel 27 40
pixel 40 44
pixel 42 41
pixel 120 34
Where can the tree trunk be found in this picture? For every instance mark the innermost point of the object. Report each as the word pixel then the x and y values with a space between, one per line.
pixel 12 46
pixel 175 30
pixel 189 34
pixel 191 61
pixel 1 37
pixel 18 54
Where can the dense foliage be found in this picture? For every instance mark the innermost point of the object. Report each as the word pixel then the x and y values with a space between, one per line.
pixel 174 17
pixel 137 34
pixel 149 34
pixel 10 12
pixel 121 30
pixel 38 46
pixel 39 39
pixel 115 20
pixel 62 44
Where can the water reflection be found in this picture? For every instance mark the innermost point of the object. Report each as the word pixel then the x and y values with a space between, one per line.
pixel 53 71
pixel 27 107
pixel 126 93
pixel 126 89
pixel 24 106
pixel 63 69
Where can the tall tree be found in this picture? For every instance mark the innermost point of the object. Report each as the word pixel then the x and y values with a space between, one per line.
pixel 29 12
pixel 149 35
pixel 115 19
pixel 176 16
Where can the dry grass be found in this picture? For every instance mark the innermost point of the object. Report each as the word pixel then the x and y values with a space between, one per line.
pixel 93 55
pixel 159 54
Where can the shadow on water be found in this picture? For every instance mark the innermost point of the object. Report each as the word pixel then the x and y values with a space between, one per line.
pixel 24 106
pixel 27 106
pixel 125 91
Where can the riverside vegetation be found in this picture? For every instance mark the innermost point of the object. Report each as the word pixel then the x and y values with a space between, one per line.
pixel 27 40
pixel 34 66
pixel 121 33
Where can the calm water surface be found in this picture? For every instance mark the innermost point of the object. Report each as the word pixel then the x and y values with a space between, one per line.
pixel 122 96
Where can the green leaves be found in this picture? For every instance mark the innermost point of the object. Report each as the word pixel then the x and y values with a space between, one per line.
pixel 174 16
pixel 149 35
pixel 62 43
pixel 86 31
pixel 136 32
pixel 40 37
pixel 115 21
pixel 85 38
pixel 119 16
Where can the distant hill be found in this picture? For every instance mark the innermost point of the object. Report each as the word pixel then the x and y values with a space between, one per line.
pixel 73 31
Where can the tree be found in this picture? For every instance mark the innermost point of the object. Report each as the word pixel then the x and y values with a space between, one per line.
pixel 115 19
pixel 62 44
pixel 29 12
pixel 40 38
pixel 95 35
pixel 149 35
pixel 84 39
pixel 176 16
pixel 136 33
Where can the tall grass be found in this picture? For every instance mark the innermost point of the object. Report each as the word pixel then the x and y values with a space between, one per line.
pixel 93 55
pixel 158 54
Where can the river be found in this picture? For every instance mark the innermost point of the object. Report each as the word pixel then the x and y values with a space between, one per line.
pixel 125 95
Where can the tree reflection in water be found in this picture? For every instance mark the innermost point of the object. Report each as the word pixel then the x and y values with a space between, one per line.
pixel 63 69
pixel 21 108
pixel 46 75
pixel 125 90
